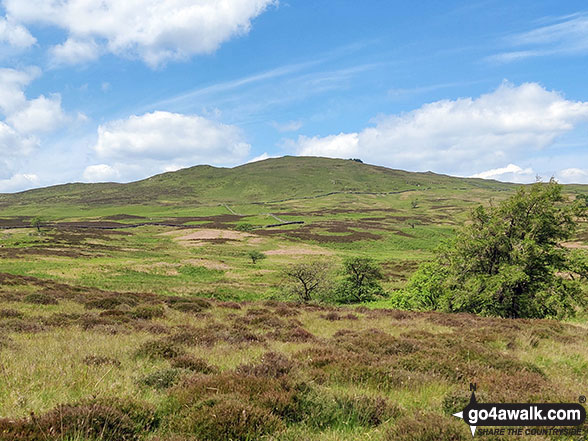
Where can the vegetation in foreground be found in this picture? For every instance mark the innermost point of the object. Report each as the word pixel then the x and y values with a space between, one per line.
pixel 86 364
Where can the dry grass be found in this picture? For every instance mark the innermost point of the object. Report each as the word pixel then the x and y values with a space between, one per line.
pixel 222 370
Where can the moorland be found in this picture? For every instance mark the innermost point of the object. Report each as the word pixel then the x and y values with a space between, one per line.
pixel 134 311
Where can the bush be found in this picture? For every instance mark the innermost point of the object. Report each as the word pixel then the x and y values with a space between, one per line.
pixel 244 227
pixel 90 421
pixel 194 364
pixel 361 281
pixel 97 360
pixel 230 420
pixel 427 427
pixel 425 289
pixel 159 349
pixel 507 262
pixel 272 365
pixel 322 410
pixel 255 256
pixel 40 298
pixel 148 312
pixel 161 379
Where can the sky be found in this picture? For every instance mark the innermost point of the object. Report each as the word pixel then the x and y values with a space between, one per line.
pixel 109 90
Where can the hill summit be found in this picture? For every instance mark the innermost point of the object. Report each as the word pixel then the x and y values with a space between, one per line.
pixel 263 181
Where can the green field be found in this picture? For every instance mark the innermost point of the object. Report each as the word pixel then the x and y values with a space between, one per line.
pixel 102 316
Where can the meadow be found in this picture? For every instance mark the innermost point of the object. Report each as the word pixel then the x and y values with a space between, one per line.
pixel 137 314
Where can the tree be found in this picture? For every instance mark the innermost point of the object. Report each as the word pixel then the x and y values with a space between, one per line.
pixel 508 260
pixel 361 280
pixel 255 256
pixel 307 279
pixel 36 222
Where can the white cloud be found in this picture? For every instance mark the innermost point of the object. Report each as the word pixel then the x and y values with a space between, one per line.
pixel 458 136
pixel 153 30
pixel 74 51
pixel 510 173
pixel 163 138
pixel 41 114
pixel 261 157
pixel 339 146
pixel 14 144
pixel 568 36
pixel 291 126
pixel 101 173
pixel 573 175
pixel 15 35
pixel 12 84
pixel 19 182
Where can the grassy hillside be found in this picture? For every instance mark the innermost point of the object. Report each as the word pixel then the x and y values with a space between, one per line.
pixel 263 181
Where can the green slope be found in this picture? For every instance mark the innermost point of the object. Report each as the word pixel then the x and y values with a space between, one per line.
pixel 263 181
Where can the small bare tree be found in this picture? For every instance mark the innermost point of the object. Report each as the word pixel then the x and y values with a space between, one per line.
pixel 307 279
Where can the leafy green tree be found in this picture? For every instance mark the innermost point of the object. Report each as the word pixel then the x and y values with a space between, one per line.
pixel 508 260
pixel 361 283
pixel 255 256
pixel 37 222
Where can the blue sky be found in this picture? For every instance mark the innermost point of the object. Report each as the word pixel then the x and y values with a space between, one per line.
pixel 103 90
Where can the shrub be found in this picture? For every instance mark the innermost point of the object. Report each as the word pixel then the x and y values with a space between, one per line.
pixel 148 312
pixel 425 289
pixel 507 260
pixel 82 421
pixel 427 427
pixel 161 379
pixel 272 365
pixel 10 313
pixel 230 420
pixel 159 349
pixel 255 256
pixel 40 298
pixel 194 364
pixel 244 227
pixel 361 281
pixel 321 410
pixel 97 360
pixel 104 303
pixel 188 304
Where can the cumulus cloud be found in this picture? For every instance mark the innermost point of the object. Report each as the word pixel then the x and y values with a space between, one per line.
pixel 22 120
pixel 458 136
pixel 573 175
pixel 262 157
pixel 13 143
pixel 41 114
pixel 19 182
pixel 15 35
pixel 163 141
pixel 101 173
pixel 74 51
pixel 153 30
pixel 510 173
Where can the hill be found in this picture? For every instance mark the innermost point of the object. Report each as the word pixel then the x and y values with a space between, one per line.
pixel 263 181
